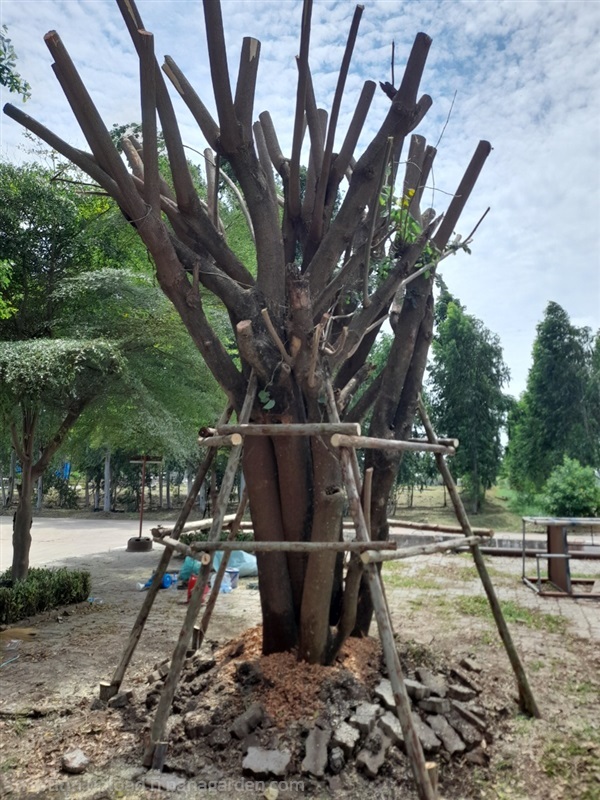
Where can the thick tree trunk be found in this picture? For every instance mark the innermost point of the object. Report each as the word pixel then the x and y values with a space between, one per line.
pixel 22 523
pixel 280 629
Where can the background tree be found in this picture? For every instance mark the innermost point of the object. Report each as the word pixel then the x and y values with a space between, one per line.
pixel 559 414
pixel 465 392
pixel 324 284
pixel 9 76
pixel 77 320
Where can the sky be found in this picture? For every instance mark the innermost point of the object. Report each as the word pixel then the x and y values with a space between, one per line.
pixel 522 75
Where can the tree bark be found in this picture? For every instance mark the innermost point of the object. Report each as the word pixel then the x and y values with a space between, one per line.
pixel 22 521
pixel 107 481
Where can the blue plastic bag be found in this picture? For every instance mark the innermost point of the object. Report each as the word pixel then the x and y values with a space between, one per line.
pixel 245 563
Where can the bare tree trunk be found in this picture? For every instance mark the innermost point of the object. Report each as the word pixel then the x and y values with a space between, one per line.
pixel 160 486
pixel 2 487
pixel 168 491
pixel 22 523
pixel 40 493
pixel 86 492
pixel 11 479
pixel 107 481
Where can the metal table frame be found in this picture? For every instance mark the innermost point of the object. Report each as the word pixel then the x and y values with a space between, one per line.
pixel 558 557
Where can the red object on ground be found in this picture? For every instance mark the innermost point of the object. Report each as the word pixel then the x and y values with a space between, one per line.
pixel 191 583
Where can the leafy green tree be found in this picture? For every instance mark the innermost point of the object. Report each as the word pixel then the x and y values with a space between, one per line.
pixel 465 391
pixel 559 412
pixel 572 490
pixel 46 377
pixel 9 76
pixel 77 323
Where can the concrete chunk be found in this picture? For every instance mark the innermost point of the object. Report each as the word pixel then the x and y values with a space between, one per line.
pixel 315 758
pixel 465 679
pixel 468 732
pixel 470 716
pixel 435 683
pixel 75 762
pixel 435 705
pixel 260 761
pixel 470 665
pixel 248 721
pixel 463 693
pixel 416 690
pixel 365 717
pixel 385 694
pixel 372 756
pixel 120 700
pixel 346 736
pixel 450 738
pixel 429 741
pixel 390 725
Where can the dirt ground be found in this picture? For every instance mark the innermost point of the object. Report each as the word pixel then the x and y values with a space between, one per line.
pixel 48 684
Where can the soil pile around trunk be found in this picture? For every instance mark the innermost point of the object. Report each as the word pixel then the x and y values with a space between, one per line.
pixel 238 715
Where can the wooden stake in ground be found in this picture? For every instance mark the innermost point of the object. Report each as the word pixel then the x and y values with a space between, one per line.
pixel 166 699
pixel 384 623
pixel 199 631
pixel 109 689
pixel 526 699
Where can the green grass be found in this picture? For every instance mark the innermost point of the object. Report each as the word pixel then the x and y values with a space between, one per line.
pixel 396 576
pixel 475 606
pixel 575 759
pixel 496 513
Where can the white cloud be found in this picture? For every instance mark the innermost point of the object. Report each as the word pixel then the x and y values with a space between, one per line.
pixel 525 74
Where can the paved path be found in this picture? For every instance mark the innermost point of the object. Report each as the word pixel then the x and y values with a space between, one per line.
pixel 57 538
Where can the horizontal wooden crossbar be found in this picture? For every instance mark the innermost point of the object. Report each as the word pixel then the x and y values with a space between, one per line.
pixel 370 443
pixel 197 548
pixel 372 556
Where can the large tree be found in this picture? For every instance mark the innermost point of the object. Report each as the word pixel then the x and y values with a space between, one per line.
pixel 326 279
pixel 558 414
pixel 465 391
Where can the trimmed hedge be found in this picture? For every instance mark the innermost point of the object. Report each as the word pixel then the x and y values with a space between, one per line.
pixel 202 536
pixel 42 590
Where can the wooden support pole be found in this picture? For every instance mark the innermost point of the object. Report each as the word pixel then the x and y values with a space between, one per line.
pixel 435 527
pixel 166 699
pixel 386 635
pixel 108 690
pixel 371 443
pixel 293 429
pixel 230 440
pixel 373 556
pixel 199 631
pixel 440 440
pixel 196 548
pixel 526 699
pixel 189 527
pixel 366 497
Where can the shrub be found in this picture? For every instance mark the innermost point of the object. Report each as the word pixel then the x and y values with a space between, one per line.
pixel 42 590
pixel 572 491
pixel 202 536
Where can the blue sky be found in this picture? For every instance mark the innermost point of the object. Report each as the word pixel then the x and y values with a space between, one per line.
pixel 525 76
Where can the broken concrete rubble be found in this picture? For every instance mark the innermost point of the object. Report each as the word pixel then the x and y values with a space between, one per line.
pixel 315 759
pixel 265 763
